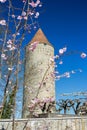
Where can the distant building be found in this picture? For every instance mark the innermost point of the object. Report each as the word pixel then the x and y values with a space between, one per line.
pixel 38 81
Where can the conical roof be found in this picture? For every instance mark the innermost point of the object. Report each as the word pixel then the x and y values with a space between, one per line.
pixel 40 37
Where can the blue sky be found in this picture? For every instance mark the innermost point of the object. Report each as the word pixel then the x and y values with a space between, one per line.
pixel 64 22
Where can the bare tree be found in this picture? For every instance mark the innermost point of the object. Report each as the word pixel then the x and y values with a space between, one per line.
pixel 64 105
pixel 76 103
pixel 83 109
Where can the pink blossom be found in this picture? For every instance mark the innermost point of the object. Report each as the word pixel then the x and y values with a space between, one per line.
pixel 52 99
pixel 58 77
pixel 3 1
pixel 2 55
pixel 24 1
pixel 13 16
pixel 9 46
pixel 64 49
pixel 37 15
pixel 25 17
pixel 61 51
pixel 46 100
pixel 56 56
pixel 52 75
pixel 52 59
pixel 19 17
pixel 61 62
pixel 31 106
pixel 36 100
pixel 37 2
pixel 41 104
pixel 33 101
pixel 9 41
pixel 31 13
pixel 34 4
pixel 30 48
pixel 5 58
pixel 2 22
pixel 67 74
pixel 10 68
pixel 23 13
pixel 83 55
pixel 33 46
pixel 12 48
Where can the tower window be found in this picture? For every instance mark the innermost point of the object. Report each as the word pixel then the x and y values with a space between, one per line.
pixel 44 83
pixel 45 44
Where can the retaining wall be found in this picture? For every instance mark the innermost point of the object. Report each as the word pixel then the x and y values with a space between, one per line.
pixel 53 123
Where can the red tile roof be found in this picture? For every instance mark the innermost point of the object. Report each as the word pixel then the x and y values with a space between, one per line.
pixel 40 37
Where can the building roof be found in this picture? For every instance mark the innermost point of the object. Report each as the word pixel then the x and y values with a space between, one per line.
pixel 40 37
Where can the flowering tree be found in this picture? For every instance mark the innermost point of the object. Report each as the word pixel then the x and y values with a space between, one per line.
pixel 15 23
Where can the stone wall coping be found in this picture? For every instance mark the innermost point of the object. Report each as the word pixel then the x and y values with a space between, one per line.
pixel 41 119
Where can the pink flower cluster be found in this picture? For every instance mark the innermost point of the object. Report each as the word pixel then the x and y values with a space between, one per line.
pixel 66 74
pixel 10 45
pixel 33 46
pixel 61 51
pixel 29 12
pixel 3 1
pixel 35 4
pixel 2 22
pixel 3 55
pixel 37 15
pixel 83 55
pixel 22 16
pixel 40 103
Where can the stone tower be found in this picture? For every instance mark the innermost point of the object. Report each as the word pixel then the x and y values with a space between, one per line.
pixel 38 82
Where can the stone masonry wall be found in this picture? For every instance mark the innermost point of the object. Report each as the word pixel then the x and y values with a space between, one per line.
pixel 37 63
pixel 57 123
